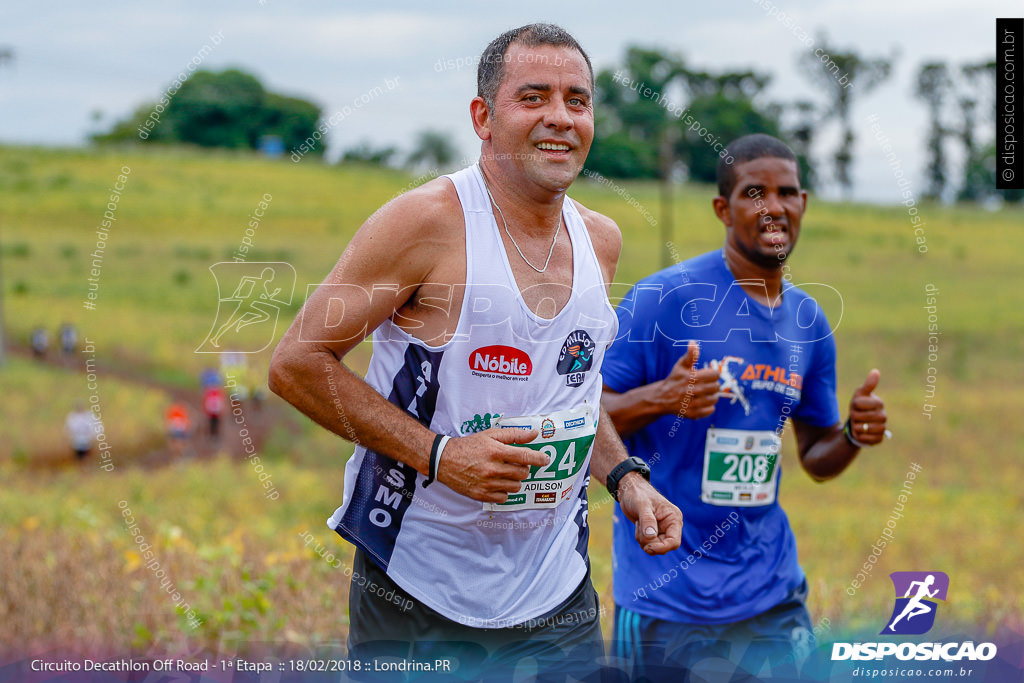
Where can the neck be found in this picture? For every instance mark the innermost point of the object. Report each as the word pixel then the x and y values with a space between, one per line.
pixel 745 271
pixel 527 208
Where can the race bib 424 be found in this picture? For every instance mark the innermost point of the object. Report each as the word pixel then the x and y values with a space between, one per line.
pixel 565 437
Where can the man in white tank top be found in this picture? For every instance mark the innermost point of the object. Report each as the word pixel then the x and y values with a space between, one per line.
pixel 486 294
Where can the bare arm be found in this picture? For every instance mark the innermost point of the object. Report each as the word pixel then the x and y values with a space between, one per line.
pixel 392 255
pixel 658 522
pixel 824 451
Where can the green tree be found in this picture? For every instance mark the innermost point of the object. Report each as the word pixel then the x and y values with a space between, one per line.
pixel 217 110
pixel 840 76
pixel 433 149
pixel 801 131
pixel 618 154
pixel 934 86
pixel 632 116
pixel 292 118
pixel 643 129
pixel 976 83
pixel 636 101
pixel 228 109
pixel 366 153
pixel 721 108
pixel 982 170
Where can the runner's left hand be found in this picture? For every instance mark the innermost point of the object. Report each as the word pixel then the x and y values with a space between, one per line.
pixel 868 409
pixel 659 523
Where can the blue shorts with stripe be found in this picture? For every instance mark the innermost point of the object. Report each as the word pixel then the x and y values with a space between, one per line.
pixel 659 650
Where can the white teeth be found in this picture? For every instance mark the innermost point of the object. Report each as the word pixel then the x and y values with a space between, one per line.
pixel 552 146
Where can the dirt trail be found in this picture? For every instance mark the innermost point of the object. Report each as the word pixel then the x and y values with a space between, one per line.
pixel 259 420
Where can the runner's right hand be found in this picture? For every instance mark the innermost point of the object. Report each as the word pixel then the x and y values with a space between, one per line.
pixel 485 466
pixel 688 392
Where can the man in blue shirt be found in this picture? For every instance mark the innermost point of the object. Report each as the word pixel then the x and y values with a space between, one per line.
pixel 713 356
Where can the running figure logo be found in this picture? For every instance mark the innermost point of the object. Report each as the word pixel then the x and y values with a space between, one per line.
pixel 579 356
pixel 729 387
pixel 247 319
pixel 576 357
pixel 914 613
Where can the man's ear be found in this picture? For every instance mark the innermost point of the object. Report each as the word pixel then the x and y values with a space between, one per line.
pixel 721 206
pixel 480 113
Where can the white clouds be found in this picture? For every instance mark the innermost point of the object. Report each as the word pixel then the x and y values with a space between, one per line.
pixel 73 58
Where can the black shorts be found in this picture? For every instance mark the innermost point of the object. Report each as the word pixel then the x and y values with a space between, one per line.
pixel 386 624
pixel 659 650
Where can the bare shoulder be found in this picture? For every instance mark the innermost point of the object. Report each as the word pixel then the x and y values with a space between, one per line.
pixel 606 237
pixel 426 212
pixel 411 232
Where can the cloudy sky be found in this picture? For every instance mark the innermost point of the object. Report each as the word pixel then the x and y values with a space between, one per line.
pixel 72 59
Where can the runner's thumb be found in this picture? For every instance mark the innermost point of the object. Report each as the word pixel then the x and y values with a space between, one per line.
pixel 692 354
pixel 647 523
pixel 869 384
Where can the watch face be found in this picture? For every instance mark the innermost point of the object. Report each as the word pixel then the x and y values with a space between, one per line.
pixel 641 467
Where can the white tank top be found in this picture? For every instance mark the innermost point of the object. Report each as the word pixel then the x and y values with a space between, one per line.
pixel 497 567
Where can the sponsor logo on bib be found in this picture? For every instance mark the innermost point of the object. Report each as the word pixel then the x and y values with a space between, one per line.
pixel 478 423
pixel 576 357
pixel 503 362
pixel 547 429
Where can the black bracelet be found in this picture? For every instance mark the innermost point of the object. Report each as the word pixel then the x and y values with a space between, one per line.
pixel 434 457
pixel 850 438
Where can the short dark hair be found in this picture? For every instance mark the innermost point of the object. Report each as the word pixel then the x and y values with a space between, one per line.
pixel 748 148
pixel 491 68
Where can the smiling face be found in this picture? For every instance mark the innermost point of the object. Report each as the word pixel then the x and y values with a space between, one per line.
pixel 762 215
pixel 542 123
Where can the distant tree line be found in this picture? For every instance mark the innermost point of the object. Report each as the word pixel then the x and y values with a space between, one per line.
pixel 656 113
pixel 657 117
pixel 954 96
pixel 232 109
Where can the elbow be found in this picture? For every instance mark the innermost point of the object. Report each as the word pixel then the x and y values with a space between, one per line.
pixel 281 373
pixel 293 366
pixel 275 380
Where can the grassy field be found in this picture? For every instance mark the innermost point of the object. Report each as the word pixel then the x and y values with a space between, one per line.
pixel 254 570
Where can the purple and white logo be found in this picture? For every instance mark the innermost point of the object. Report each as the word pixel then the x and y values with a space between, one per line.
pixel 917 594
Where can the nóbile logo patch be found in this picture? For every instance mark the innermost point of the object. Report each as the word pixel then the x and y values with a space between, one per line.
pixel 501 361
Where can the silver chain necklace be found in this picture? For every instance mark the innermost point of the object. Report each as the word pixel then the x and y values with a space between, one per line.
pixel 554 240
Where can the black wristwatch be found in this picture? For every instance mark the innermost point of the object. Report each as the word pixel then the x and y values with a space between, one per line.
pixel 630 464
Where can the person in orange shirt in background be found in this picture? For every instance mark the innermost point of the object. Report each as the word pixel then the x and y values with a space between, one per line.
pixel 179 427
